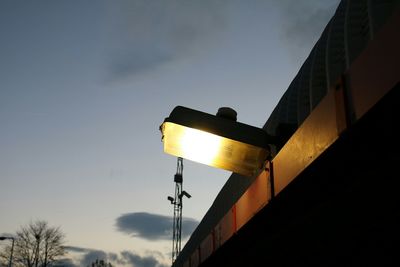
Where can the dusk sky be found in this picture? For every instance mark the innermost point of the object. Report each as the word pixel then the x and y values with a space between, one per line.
pixel 84 86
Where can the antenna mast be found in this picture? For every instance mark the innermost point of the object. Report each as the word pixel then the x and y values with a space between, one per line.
pixel 178 204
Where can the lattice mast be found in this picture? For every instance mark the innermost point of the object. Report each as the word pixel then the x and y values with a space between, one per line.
pixel 177 203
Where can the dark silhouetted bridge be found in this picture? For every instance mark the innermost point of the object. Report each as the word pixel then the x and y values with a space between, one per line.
pixel 335 198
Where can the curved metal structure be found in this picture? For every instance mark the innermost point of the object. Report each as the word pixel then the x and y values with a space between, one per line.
pixel 347 34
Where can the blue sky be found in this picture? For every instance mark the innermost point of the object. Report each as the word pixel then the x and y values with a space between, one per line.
pixel 84 86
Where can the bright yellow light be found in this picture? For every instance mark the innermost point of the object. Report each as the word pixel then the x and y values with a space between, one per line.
pixel 200 146
pixel 212 150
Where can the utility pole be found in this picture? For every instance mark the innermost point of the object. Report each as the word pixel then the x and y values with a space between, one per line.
pixel 178 205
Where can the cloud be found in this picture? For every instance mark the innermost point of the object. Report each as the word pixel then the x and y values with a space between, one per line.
pixel 89 255
pixel 65 263
pixel 147 34
pixel 77 249
pixel 152 226
pixel 144 35
pixel 139 261
pixel 92 256
pixel 125 258
pixel 304 21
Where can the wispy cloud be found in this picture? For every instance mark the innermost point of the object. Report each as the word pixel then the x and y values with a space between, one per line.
pixel 304 21
pixel 147 34
pixel 152 226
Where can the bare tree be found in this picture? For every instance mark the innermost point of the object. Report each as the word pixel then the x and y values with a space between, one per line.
pixel 37 245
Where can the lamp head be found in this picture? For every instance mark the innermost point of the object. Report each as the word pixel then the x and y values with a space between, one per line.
pixel 186 194
pixel 217 141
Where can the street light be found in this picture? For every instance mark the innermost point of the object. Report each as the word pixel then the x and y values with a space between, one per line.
pixel 12 247
pixel 216 140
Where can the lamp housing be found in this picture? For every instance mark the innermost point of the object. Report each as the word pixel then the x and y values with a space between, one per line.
pixel 217 141
pixel 171 199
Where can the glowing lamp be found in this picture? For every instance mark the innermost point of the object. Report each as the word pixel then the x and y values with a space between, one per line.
pixel 215 140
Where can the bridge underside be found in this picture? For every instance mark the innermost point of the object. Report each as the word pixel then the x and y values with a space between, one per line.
pixel 343 209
